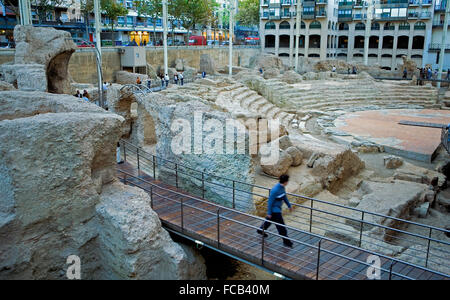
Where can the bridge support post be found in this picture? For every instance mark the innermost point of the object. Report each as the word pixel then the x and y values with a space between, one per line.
pixel 176 175
pixel 390 269
pixel 428 247
pixel 318 260
pixel 262 247
pixel 154 167
pixel 310 216
pixel 138 162
pixel 218 228
pixel 182 219
pixel 361 225
pixel 203 185
pixel 151 196
pixel 234 195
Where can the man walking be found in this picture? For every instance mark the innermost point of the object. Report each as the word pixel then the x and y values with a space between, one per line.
pixel 276 198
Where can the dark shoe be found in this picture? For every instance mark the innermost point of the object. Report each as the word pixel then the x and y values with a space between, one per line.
pixel 259 231
pixel 288 244
pixel 120 162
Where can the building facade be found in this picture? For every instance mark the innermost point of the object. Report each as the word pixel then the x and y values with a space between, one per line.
pixel 339 29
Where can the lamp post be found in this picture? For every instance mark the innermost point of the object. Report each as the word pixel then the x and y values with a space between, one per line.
pixel 444 40
pixel 367 32
pixel 231 32
pixel 98 45
pixel 166 67
pixel 25 12
pixel 297 33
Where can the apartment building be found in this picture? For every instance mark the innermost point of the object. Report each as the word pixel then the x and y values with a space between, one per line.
pixel 336 29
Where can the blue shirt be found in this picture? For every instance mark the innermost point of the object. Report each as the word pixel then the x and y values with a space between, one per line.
pixel 276 198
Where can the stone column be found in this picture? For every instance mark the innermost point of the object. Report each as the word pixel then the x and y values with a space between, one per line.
pixel 380 43
pixel 394 49
pixel 410 40
pixel 291 46
pixel 323 41
pixel 306 42
pixel 277 42
pixel 351 41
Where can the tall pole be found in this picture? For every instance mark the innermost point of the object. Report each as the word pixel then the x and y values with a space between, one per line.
pixel 231 32
pixel 444 40
pixel 297 33
pixel 166 60
pixel 367 32
pixel 25 12
pixel 98 45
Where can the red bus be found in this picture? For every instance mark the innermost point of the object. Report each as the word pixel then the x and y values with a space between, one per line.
pixel 197 40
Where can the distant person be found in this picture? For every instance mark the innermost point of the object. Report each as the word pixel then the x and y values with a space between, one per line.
pixel 435 74
pixel 86 96
pixel 260 71
pixel 354 70
pixel 78 94
pixel 138 80
pixel 405 73
pixel 203 74
pixel 149 83
pixel 333 69
pixel 276 198
pixel 162 80
pixel 167 79
pixel 175 78
pixel 348 71
pixel 181 78
pixel 429 73
pixel 448 75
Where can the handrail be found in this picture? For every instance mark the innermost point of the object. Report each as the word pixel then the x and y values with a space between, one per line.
pixel 220 207
pixel 294 195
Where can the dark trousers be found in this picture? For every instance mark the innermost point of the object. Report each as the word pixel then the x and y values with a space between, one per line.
pixel 278 219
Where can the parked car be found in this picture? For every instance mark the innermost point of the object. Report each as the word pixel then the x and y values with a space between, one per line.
pixel 84 44
pixel 180 43
pixel 197 40
pixel 225 43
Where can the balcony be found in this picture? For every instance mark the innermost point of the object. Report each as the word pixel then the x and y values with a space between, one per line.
pixel 345 18
pixel 274 4
pixel 274 17
pixel 360 4
pixel 286 2
pixel 427 2
pixel 388 17
pixel 308 15
pixel 321 2
pixel 265 3
pixel 285 15
pixel 440 7
pixel 425 15
pixel 437 46
pixel 265 15
pixel 360 17
pixel 321 14
pixel 346 5
pixel 414 2
pixel 413 15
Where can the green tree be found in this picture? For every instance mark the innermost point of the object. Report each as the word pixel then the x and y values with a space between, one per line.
pixel 113 10
pixel 86 8
pixel 151 9
pixel 196 12
pixel 248 14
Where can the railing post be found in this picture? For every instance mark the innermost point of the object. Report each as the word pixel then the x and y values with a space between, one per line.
pixel 318 260
pixel 262 247
pixel 310 216
pixel 124 152
pixel 154 167
pixel 176 175
pixel 234 194
pixel 138 164
pixel 361 225
pixel 182 218
pixel 218 228
pixel 428 248
pixel 151 196
pixel 390 269
pixel 125 179
pixel 203 185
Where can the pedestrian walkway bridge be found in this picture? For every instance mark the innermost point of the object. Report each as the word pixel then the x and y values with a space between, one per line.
pixel 233 232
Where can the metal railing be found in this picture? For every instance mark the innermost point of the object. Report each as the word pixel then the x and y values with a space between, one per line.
pixel 445 139
pixel 361 228
pixel 348 267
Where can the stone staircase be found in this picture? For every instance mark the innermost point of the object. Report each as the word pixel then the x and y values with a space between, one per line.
pixel 241 100
pixel 315 95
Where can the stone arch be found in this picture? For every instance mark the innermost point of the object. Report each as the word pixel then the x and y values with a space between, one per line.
pixel 315 25
pixel 360 26
pixel 343 41
pixel 270 41
pixel 373 41
pixel 402 42
pixel 58 73
pixel 284 25
pixel 419 26
pixel 343 26
pixel 270 25
pixel 418 42
pixel 359 41
pixel 388 42
pixel 302 25
pixel 314 41
pixel 285 41
pixel 375 26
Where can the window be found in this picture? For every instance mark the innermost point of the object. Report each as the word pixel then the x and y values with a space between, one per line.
pixel 315 25
pixel 375 26
pixel 419 26
pixel 285 25
pixel 404 26
pixel 360 26
pixel 270 25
